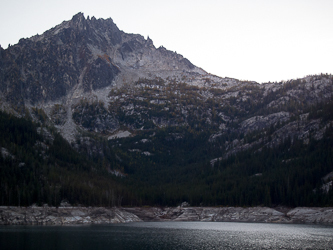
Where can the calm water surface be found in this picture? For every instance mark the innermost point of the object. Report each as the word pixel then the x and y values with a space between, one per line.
pixel 168 235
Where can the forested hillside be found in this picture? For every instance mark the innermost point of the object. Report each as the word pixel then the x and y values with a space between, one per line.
pixel 38 166
pixel 178 169
pixel 171 167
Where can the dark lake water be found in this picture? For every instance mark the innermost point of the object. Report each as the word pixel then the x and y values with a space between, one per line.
pixel 168 235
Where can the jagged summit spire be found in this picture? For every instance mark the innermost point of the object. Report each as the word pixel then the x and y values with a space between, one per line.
pixel 79 20
pixel 78 16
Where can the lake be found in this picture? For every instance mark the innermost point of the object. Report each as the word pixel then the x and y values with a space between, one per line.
pixel 168 235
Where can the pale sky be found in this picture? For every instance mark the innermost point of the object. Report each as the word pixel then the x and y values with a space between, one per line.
pixel 259 40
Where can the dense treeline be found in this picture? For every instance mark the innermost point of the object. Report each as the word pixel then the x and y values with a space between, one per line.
pixel 289 175
pixel 37 169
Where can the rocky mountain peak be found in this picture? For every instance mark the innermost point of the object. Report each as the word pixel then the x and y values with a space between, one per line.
pixel 81 54
pixel 89 64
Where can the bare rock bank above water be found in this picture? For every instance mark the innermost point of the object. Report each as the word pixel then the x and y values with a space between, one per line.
pixel 88 215
pixel 64 215
pixel 237 214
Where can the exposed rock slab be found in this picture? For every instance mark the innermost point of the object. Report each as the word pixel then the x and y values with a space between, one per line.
pixel 311 215
pixel 236 214
pixel 88 215
pixel 63 215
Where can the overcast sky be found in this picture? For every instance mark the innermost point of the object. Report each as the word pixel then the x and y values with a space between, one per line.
pixel 259 40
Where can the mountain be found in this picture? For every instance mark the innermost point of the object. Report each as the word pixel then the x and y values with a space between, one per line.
pixel 143 125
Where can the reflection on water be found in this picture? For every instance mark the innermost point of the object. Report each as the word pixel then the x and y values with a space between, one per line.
pixel 168 235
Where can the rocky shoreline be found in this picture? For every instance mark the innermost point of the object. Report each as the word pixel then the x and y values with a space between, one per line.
pixel 45 215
